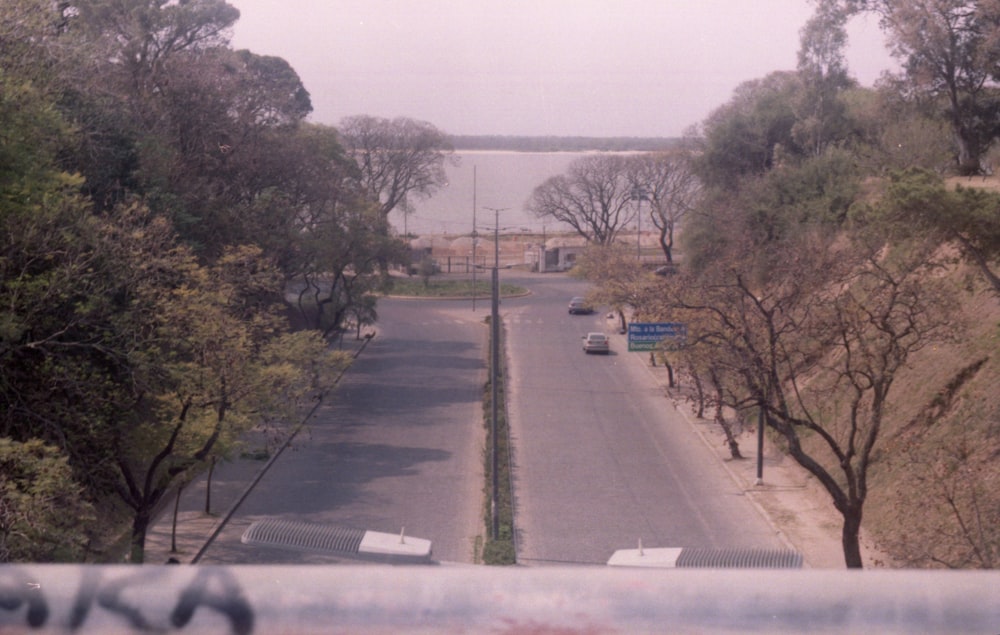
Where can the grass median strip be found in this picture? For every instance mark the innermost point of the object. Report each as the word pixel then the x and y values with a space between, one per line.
pixel 499 549
pixel 444 288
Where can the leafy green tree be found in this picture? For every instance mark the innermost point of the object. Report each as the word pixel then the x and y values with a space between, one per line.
pixel 821 113
pixel 43 512
pixel 752 133
pixel 230 121
pixel 347 251
pixel 169 112
pixel 917 203
pixel 773 207
pixel 57 379
pixel 892 133
pixel 949 50
pixel 140 37
pixel 209 359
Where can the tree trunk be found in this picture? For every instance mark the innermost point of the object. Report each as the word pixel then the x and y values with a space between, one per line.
pixel 700 390
pixel 734 446
pixel 851 539
pixel 667 243
pixel 208 487
pixel 140 525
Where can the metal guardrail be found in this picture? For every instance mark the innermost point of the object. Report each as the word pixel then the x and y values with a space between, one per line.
pixel 246 600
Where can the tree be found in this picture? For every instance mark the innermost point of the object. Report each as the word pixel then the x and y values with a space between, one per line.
pixel 958 524
pixel 334 244
pixel 619 279
pixel 917 202
pixel 347 251
pixel 397 159
pixel 43 512
pixel 816 345
pixel 895 134
pixel 752 133
pixel 139 37
pixel 950 50
pixel 208 358
pixel 822 116
pixel 56 376
pixel 230 125
pixel 594 197
pixel 668 183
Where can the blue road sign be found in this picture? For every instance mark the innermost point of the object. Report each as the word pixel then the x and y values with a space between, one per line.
pixel 647 336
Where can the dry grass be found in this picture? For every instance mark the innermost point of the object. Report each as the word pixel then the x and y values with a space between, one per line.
pixel 942 438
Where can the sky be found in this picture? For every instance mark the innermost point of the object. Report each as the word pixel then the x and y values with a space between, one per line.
pixel 602 68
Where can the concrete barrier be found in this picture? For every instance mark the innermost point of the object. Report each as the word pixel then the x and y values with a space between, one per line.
pixel 469 599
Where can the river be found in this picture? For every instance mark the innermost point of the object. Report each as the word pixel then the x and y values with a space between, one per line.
pixel 494 180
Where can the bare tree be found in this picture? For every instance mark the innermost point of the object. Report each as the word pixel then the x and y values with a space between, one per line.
pixel 959 527
pixel 594 197
pixel 667 181
pixel 619 279
pixel 398 158
pixel 817 345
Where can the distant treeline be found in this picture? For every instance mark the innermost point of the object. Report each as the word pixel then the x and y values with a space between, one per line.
pixel 564 144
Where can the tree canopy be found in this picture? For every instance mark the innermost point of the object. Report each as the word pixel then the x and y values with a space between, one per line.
pixel 159 194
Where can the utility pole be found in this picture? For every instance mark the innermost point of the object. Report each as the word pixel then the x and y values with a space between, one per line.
pixel 495 372
pixel 638 195
pixel 474 239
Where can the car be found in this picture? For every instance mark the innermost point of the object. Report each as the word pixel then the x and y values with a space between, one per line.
pixel 596 343
pixel 579 305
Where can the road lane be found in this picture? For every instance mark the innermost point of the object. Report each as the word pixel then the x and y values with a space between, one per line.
pixel 601 458
pixel 400 445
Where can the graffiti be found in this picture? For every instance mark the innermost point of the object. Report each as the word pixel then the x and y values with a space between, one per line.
pixel 128 598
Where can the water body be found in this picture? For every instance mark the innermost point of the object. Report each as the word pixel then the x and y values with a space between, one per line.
pixel 501 180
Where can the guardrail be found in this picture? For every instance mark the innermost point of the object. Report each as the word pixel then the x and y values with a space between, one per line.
pixel 458 599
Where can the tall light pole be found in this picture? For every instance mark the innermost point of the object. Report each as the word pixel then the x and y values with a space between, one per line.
pixel 495 372
pixel 474 238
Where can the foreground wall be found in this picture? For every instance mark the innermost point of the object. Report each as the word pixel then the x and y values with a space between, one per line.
pixel 459 599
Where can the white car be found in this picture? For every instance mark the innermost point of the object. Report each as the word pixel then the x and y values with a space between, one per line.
pixel 596 343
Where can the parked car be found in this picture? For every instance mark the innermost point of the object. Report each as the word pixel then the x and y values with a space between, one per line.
pixel 596 343
pixel 579 305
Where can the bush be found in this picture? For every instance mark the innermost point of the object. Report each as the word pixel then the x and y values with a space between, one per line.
pixel 499 552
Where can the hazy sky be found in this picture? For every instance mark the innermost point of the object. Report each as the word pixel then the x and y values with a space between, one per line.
pixel 537 67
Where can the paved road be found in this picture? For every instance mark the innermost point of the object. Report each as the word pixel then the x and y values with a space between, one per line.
pixel 401 446
pixel 602 459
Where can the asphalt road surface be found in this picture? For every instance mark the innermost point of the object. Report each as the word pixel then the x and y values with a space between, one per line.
pixel 401 446
pixel 601 458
